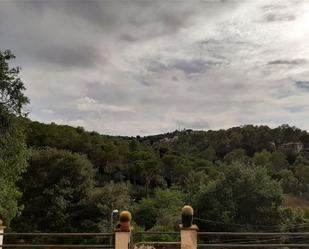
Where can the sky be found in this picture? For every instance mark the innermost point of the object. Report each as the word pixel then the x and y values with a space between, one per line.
pixel 140 67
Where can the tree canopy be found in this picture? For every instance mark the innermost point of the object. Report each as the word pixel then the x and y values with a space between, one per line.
pixel 13 151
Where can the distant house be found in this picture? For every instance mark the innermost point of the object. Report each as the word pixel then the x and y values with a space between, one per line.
pixel 306 150
pixel 292 146
pixel 169 140
pixel 272 146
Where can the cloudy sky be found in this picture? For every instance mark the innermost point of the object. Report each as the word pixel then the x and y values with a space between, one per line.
pixel 149 66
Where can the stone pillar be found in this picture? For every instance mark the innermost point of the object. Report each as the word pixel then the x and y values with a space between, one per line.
pixel 188 237
pixel 1 233
pixel 123 234
pixel 122 239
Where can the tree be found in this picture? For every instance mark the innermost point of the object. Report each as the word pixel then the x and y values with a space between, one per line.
pixel 163 209
pixel 214 201
pixel 12 98
pixel 302 173
pixel 175 168
pixel 237 155
pixel 56 192
pixel 279 161
pixel 244 194
pixel 305 140
pixel 106 199
pixel 13 152
pixel 288 181
pixel 195 180
pixel 262 158
pixel 210 154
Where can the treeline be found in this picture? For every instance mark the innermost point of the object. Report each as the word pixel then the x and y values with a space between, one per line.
pixel 165 160
pixel 234 178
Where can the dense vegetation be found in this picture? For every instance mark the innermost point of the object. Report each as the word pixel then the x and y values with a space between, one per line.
pixel 233 178
pixel 13 153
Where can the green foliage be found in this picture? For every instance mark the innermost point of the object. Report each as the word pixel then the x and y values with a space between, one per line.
pixel 278 161
pixel 108 155
pixel 108 198
pixel 237 155
pixel 13 151
pixel 8 201
pixel 160 237
pixel 288 181
pixel 56 193
pixel 229 176
pixel 210 154
pixel 12 98
pixel 194 181
pixel 262 158
pixel 175 168
pixel 162 209
pixel 305 140
pixel 291 219
pixel 237 197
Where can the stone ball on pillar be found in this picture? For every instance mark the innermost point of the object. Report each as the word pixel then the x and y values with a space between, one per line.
pixel 125 219
pixel 187 216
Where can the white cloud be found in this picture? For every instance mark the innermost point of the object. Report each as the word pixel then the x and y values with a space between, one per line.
pixel 87 104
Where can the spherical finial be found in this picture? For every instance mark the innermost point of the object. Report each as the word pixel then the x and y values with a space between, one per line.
pixel 187 216
pixel 125 216
pixel 187 210
pixel 1 222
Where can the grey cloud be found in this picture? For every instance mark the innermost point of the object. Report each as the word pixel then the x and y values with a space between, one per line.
pixel 91 11
pixel 227 40
pixel 288 62
pixel 157 67
pixel 239 86
pixel 128 38
pixel 192 66
pixel 279 12
pixel 302 85
pixel 134 20
pixel 46 35
pixel 278 6
pixel 188 67
pixel 78 56
pixel 276 17
pixel 147 82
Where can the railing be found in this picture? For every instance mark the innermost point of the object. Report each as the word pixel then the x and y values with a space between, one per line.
pixel 155 239
pixel 204 239
pixel 55 246
pixel 58 245
pixel 254 243
pixel 225 245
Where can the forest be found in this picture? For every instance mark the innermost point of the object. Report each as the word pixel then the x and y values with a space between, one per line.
pixel 57 178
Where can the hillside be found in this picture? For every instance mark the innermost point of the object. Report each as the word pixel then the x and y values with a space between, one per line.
pixel 75 176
